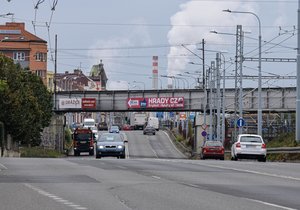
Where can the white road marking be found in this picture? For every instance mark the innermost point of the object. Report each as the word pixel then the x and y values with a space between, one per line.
pixel 156 177
pixel 237 169
pixel 271 204
pixel 154 152
pixel 55 198
pixel 3 166
pixel 253 172
pixel 173 143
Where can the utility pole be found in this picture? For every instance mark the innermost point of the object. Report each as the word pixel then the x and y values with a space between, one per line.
pixel 211 104
pixel 238 79
pixel 55 71
pixel 298 81
pixel 218 62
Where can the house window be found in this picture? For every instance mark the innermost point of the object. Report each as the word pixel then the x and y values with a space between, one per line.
pixel 40 73
pixel 19 56
pixel 41 56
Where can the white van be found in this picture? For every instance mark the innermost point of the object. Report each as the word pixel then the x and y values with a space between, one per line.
pixel 89 123
pixel 154 122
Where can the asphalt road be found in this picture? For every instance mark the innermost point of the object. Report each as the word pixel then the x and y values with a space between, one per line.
pixel 156 180
pixel 151 146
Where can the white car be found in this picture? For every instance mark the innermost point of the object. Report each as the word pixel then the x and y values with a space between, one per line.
pixel 249 146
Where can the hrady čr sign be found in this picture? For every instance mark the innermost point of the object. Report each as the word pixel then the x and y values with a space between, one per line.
pixel 161 102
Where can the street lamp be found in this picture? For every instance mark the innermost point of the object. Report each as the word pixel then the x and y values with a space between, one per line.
pixel 259 110
pixel 140 82
pixel 173 79
pixel 159 80
pixel 187 82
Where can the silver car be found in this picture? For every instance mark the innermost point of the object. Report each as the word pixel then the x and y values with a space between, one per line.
pixel 110 144
pixel 249 146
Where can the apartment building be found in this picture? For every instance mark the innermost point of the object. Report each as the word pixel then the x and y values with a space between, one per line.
pixel 24 48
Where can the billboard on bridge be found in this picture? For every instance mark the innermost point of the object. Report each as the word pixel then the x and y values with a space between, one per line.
pixel 70 103
pixel 156 102
pixel 77 103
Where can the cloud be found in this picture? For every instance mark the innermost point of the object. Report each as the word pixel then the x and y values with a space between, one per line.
pixel 194 21
pixel 119 45
pixel 117 85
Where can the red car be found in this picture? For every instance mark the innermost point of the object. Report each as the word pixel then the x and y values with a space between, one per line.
pixel 126 127
pixel 213 150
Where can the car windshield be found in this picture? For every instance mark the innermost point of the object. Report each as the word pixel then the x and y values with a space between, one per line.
pixel 83 136
pixel 254 139
pixel 213 143
pixel 114 128
pixel 110 138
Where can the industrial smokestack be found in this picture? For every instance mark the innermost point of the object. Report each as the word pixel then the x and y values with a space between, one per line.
pixel 155 72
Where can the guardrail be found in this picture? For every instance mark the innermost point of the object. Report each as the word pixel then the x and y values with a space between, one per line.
pixel 283 150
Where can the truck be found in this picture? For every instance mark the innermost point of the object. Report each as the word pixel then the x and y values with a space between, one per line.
pixel 83 141
pixel 154 122
pixel 138 120
pixel 89 122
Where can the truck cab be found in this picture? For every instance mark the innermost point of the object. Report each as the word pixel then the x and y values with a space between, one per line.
pixel 83 141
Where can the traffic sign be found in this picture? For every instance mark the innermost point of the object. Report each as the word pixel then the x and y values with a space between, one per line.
pixel 240 122
pixel 203 133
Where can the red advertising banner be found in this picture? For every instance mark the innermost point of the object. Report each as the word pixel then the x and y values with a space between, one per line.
pixel 88 103
pixel 161 102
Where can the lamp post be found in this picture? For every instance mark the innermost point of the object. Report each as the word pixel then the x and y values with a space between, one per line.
pixel 259 110
pixel 159 80
pixel 171 77
pixel 187 82
pixel 140 82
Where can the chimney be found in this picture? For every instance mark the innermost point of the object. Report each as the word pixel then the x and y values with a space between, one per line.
pixel 155 72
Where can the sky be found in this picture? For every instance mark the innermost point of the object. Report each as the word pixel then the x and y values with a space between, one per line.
pixel 125 34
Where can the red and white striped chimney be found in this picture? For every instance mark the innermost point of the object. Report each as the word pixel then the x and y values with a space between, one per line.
pixel 155 72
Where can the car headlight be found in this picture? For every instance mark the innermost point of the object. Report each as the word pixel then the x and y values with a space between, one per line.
pixel 120 147
pixel 101 147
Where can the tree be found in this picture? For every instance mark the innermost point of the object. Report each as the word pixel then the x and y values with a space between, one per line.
pixel 26 101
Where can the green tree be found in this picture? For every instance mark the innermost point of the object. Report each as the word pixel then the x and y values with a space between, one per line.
pixel 26 101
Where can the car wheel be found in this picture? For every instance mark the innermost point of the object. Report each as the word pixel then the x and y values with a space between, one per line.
pixel 76 153
pixel 98 156
pixel 234 158
pixel 122 157
pixel 222 158
pixel 91 153
pixel 154 133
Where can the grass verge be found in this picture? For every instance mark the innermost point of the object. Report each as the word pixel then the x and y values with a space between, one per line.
pixel 40 152
pixel 284 140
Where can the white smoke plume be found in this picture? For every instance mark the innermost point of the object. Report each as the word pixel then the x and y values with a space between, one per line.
pixel 194 22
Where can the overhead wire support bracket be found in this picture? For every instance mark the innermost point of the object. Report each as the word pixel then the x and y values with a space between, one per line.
pixel 271 59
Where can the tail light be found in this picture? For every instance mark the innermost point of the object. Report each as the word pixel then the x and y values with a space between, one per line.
pixel 238 145
pixel 263 146
pixel 204 151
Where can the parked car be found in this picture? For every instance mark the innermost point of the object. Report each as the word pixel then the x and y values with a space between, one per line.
pixel 114 129
pixel 110 144
pixel 102 126
pixel 149 130
pixel 212 149
pixel 249 146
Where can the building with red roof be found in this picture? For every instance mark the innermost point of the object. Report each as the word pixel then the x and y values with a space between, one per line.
pixel 24 48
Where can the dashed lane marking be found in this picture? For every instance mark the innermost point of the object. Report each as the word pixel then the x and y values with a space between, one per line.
pixel 56 198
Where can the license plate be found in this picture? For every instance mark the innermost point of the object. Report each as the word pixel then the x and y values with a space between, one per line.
pixel 82 142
